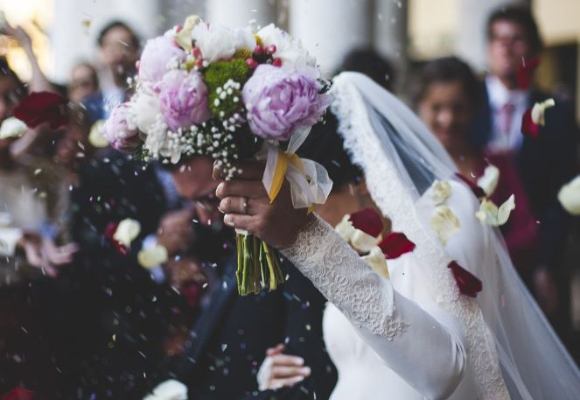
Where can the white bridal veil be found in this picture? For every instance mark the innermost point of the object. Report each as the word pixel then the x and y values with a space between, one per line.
pixel 510 344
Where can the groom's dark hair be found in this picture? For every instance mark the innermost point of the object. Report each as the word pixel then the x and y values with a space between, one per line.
pixel 326 146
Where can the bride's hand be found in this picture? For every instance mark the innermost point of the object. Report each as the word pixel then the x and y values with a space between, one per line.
pixel 279 369
pixel 246 206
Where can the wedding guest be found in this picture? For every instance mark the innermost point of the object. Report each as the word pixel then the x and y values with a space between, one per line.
pixel 84 82
pixel 446 96
pixel 545 163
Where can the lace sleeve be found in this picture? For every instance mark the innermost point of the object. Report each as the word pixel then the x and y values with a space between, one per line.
pixel 399 331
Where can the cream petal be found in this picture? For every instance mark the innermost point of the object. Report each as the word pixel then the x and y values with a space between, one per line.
pixel 490 214
pixel 488 181
pixel 96 137
pixel 440 191
pixel 539 111
pixel 569 196
pixel 127 231
pixel 169 390
pixel 376 259
pixel 444 223
pixel 12 128
pixel 152 257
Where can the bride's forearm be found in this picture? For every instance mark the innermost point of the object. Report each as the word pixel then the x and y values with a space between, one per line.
pixel 414 343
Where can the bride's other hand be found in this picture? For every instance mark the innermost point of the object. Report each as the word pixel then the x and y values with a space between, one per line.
pixel 246 206
pixel 279 370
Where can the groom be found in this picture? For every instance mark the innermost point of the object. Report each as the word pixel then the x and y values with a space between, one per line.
pixel 229 340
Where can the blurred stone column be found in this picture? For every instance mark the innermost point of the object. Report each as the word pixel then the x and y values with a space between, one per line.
pixel 471 42
pixel 237 13
pixel 329 29
pixel 390 34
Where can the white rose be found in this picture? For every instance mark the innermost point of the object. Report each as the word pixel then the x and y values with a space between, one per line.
pixel 12 128
pixel 569 196
pixel 216 42
pixel 127 231
pixel 539 111
pixel 441 190
pixel 488 181
pixel 444 223
pixel 376 259
pixel 490 214
pixel 169 390
pixel 144 111
pixel 288 49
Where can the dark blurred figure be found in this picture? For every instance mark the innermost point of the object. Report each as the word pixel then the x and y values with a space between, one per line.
pixel 544 164
pixel 84 82
pixel 370 63
pixel 119 49
pixel 446 96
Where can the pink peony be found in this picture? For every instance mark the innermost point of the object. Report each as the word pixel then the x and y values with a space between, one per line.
pixel 157 54
pixel 280 101
pixel 183 97
pixel 117 132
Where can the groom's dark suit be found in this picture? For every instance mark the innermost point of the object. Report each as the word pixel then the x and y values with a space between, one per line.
pixel 229 340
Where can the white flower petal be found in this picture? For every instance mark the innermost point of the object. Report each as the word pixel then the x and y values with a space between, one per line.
pixel 169 390
pixel 444 223
pixel 539 111
pixel 488 181
pixel 345 228
pixel 152 257
pixel 363 242
pixel 12 128
pixel 96 137
pixel 569 196
pixel 376 259
pixel 183 37
pixel 127 231
pixel 490 214
pixel 440 191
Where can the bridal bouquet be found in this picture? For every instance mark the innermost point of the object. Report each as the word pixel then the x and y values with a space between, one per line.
pixel 230 94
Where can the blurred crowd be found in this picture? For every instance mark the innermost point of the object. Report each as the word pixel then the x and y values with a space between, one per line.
pixel 79 319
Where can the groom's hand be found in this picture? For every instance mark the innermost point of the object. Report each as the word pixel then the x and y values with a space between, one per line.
pixel 246 206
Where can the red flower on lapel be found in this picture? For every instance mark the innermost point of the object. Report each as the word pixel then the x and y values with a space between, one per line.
pixel 525 73
pixel 395 245
pixel 42 108
pixel 477 191
pixel 467 283
pixel 368 220
pixel 529 127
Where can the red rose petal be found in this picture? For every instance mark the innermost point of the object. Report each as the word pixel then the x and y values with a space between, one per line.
pixel 529 128
pixel 525 74
pixel 110 229
pixel 42 108
pixel 192 293
pixel 368 220
pixel 395 245
pixel 18 394
pixel 477 191
pixel 467 283
pixel 109 233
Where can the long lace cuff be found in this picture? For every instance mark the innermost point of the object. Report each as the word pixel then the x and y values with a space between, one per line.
pixel 349 283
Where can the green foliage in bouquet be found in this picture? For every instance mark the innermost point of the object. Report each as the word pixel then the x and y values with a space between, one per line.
pixel 216 76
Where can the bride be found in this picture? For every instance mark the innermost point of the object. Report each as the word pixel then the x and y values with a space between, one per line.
pixel 413 335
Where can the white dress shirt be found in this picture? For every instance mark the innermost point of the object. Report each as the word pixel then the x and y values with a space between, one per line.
pixel 502 140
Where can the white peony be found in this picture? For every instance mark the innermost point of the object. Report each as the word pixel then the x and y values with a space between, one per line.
pixel 569 196
pixel 288 49
pixel 245 39
pixel 144 112
pixel 441 190
pixel 376 259
pixel 490 214
pixel 127 230
pixel 539 111
pixel 488 181
pixel 444 223
pixel 12 128
pixel 169 390
pixel 152 257
pixel 215 41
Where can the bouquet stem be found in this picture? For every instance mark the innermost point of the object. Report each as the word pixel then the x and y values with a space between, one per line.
pixel 258 265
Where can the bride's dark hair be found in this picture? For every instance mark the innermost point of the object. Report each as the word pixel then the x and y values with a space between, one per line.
pixel 326 146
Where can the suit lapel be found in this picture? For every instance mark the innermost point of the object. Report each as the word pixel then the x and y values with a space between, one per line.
pixel 207 323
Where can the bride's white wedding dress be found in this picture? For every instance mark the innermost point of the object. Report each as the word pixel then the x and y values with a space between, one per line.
pixel 415 336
